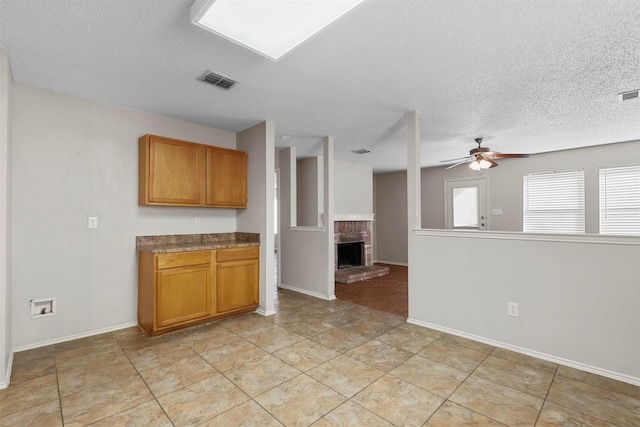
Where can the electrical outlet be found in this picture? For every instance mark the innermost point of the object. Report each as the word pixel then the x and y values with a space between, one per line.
pixel 92 222
pixel 196 221
pixel 512 309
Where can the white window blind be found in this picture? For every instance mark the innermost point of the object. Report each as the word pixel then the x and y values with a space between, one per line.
pixel 554 202
pixel 620 200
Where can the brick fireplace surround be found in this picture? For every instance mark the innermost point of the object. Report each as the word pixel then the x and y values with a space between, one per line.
pixel 354 231
pixel 350 232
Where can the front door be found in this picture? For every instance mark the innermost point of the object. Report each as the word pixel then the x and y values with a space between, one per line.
pixel 465 204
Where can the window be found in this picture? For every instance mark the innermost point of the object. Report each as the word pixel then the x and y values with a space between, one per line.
pixel 620 200
pixel 554 202
pixel 465 207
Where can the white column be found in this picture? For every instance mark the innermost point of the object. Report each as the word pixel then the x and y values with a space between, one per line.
pixel 5 219
pixel 293 187
pixel 413 203
pixel 259 142
pixel 413 171
pixel 328 216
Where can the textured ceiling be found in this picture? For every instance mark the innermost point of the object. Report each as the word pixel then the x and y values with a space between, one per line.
pixel 529 76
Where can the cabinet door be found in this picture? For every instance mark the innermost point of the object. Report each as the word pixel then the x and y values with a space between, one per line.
pixel 237 284
pixel 226 178
pixel 182 295
pixel 174 172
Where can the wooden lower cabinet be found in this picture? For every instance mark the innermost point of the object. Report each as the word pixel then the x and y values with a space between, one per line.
pixel 183 294
pixel 182 289
pixel 232 288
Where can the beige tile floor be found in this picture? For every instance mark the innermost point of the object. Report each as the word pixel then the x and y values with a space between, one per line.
pixel 313 363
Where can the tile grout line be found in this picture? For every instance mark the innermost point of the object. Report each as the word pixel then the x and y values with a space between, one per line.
pixel 343 353
pixel 145 384
pixel 459 385
pixel 587 381
pixel 544 401
pixel 55 361
pixel 556 375
pixel 251 398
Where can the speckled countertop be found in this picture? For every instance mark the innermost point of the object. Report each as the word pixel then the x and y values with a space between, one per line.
pixel 195 242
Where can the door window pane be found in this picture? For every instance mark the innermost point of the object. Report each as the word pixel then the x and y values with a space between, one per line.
pixel 465 207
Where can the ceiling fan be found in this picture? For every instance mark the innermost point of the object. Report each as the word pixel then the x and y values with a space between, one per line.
pixel 482 158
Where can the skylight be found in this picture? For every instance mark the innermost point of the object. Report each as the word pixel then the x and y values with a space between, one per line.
pixel 269 27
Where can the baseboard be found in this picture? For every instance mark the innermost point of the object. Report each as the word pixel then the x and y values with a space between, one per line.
pixel 306 292
pixel 7 378
pixel 548 357
pixel 75 337
pixel 265 313
pixel 403 264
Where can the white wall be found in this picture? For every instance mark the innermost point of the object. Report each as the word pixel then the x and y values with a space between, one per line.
pixel 505 190
pixel 259 142
pixel 73 159
pixel 303 254
pixel 353 190
pixel 5 218
pixel 390 244
pixel 577 295
pixel 578 298
pixel 505 182
pixel 309 193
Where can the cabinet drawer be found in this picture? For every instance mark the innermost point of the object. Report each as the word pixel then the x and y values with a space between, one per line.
pixel 182 259
pixel 234 254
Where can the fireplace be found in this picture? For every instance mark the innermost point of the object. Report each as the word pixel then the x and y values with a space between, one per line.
pixel 353 239
pixel 350 254
pixel 358 232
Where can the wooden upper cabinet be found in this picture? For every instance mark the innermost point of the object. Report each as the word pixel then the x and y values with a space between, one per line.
pixel 226 178
pixel 180 173
pixel 174 171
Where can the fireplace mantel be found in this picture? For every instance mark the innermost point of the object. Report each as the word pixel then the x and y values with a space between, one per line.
pixel 354 217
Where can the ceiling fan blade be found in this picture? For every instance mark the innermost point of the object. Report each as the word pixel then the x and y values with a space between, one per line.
pixel 456 160
pixel 493 164
pixel 458 164
pixel 506 156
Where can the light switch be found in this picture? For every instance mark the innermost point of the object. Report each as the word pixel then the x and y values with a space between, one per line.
pixel 92 222
pixel 496 212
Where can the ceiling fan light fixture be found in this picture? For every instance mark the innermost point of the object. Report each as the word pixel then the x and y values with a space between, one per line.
pixel 480 164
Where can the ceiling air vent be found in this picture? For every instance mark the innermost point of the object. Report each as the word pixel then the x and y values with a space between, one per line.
pixel 625 96
pixel 361 151
pixel 217 79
